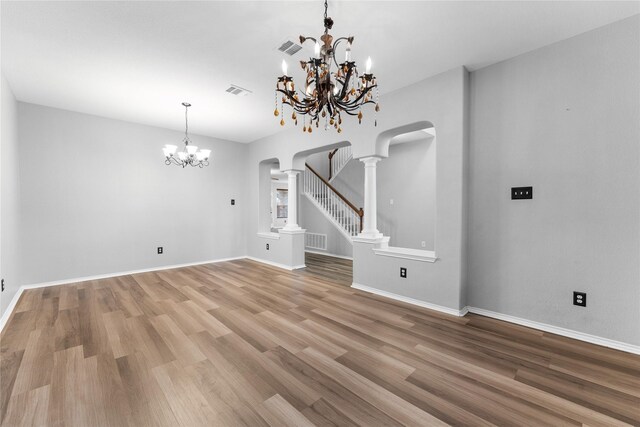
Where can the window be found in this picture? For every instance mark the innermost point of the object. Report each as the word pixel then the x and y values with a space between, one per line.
pixel 282 203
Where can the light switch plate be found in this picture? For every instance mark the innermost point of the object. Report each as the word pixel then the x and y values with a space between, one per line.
pixel 521 193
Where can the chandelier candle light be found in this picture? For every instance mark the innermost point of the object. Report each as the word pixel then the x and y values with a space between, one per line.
pixel 190 154
pixel 327 94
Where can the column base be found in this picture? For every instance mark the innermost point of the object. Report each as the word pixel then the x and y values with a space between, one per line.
pixel 292 230
pixel 370 235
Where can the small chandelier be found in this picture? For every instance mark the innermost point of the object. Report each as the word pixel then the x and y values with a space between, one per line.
pixel 327 94
pixel 190 155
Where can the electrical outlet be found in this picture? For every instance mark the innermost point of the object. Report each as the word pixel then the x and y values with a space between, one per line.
pixel 160 250
pixel 580 299
pixel 423 244
pixel 233 202
pixel 403 272
pixel 390 201
pixel 267 246
pixel 2 285
pixel 521 193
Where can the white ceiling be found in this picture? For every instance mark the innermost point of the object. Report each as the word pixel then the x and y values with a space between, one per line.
pixel 137 61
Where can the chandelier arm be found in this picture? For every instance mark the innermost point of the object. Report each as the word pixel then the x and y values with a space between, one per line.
pixel 290 100
pixel 362 94
pixel 334 49
pixel 302 110
pixel 353 106
pixel 297 109
pixel 345 85
pixel 313 39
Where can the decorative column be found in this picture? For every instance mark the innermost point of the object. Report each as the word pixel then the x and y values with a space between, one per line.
pixel 292 220
pixel 370 227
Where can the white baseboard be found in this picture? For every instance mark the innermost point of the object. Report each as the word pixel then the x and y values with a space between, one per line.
pixel 580 336
pixel 275 264
pixel 569 333
pixel 11 307
pixel 329 254
pixel 430 306
pixel 21 289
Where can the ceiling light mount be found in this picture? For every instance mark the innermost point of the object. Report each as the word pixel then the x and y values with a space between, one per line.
pixel 327 93
pixel 189 156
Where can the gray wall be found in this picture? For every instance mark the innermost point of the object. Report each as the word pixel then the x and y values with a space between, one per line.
pixel 9 196
pixel 98 199
pixel 320 163
pixel 564 119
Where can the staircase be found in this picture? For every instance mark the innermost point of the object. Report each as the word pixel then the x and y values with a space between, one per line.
pixel 338 159
pixel 335 207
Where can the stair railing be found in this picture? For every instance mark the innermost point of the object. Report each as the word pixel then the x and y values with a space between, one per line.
pixel 333 202
pixel 338 158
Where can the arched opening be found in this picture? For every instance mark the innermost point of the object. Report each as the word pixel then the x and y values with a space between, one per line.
pixel 326 215
pixel 406 190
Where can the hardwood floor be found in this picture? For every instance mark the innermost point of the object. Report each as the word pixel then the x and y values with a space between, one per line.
pixel 337 270
pixel 241 343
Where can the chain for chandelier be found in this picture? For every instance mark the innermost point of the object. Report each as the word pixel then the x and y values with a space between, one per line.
pixel 327 93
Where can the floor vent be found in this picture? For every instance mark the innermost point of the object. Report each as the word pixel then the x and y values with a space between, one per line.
pixel 237 90
pixel 290 48
pixel 315 241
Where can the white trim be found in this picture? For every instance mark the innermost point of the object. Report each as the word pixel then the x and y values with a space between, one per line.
pixel 406 253
pixel 298 230
pixel 276 264
pixel 269 235
pixel 580 336
pixel 16 297
pixel 361 238
pixel 10 307
pixel 329 254
pixel 430 306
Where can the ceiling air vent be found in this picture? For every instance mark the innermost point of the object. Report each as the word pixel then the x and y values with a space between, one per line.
pixel 290 48
pixel 237 90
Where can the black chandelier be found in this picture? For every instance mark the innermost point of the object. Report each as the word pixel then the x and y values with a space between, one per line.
pixel 327 93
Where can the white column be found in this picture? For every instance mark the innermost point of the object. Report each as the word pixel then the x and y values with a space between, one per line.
pixel 370 226
pixel 292 220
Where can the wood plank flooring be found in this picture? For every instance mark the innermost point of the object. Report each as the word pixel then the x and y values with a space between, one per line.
pixel 242 343
pixel 336 270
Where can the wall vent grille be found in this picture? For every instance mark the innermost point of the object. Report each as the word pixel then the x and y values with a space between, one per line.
pixel 315 241
pixel 239 91
pixel 290 48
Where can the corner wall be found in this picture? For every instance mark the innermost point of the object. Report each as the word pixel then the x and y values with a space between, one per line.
pixel 565 120
pixel 9 196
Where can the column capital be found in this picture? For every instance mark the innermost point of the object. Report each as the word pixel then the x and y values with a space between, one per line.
pixel 292 172
pixel 370 161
